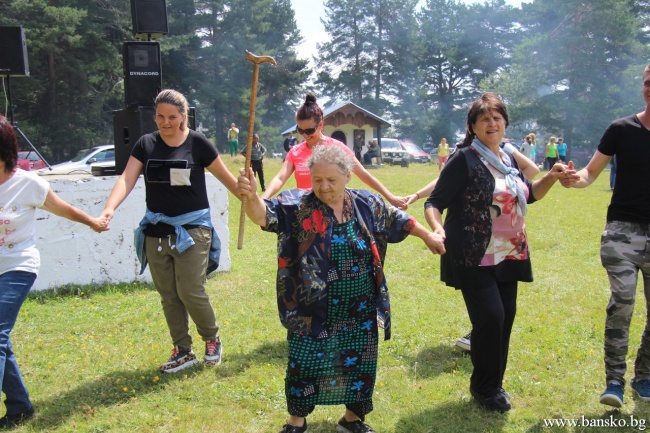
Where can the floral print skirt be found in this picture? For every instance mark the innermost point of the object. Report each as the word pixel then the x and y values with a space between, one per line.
pixel 340 367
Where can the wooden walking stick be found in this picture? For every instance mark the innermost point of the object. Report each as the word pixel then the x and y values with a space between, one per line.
pixel 256 60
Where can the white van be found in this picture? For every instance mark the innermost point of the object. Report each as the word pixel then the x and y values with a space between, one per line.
pixel 392 152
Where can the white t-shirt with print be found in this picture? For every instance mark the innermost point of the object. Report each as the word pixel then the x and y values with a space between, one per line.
pixel 20 195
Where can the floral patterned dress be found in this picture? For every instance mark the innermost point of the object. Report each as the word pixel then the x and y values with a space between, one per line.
pixel 341 368
pixel 332 294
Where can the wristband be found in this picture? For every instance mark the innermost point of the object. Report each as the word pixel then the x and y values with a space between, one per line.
pixel 418 196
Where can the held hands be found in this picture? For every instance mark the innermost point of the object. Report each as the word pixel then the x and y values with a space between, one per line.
pixel 103 221
pixel 246 186
pixel 435 242
pixel 99 224
pixel 410 199
pixel 398 202
pixel 570 180
pixel 566 174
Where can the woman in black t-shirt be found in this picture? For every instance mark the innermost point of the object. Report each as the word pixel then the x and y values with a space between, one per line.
pixel 176 237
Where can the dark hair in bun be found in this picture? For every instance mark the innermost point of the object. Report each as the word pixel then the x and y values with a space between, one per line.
pixel 309 109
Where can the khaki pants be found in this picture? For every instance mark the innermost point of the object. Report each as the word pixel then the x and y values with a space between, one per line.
pixel 179 279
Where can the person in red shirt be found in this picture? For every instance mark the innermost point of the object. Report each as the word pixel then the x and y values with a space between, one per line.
pixel 309 121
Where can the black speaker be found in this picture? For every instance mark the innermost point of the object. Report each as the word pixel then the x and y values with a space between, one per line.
pixel 142 73
pixel 128 126
pixel 149 19
pixel 13 52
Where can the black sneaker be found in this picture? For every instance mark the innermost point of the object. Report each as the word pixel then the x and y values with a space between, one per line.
pixel 357 426
pixel 497 402
pixel 505 393
pixel 213 351
pixel 14 420
pixel 180 360
pixel 288 428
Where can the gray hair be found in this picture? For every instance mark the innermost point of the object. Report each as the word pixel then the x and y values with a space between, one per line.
pixel 331 154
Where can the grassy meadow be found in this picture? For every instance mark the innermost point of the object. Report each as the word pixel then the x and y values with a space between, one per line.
pixel 90 355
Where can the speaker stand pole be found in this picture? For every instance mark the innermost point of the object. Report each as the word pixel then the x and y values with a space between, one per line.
pixel 15 125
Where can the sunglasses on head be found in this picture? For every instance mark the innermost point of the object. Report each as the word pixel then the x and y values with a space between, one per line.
pixel 308 131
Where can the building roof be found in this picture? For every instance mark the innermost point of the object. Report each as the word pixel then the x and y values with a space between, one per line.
pixel 346 112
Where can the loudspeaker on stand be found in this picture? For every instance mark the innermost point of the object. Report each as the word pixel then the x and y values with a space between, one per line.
pixel 149 19
pixel 128 126
pixel 13 52
pixel 142 73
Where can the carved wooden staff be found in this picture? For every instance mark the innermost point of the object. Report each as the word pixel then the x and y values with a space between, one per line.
pixel 256 60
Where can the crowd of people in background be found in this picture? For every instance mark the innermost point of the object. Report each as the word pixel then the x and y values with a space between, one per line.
pixel 555 150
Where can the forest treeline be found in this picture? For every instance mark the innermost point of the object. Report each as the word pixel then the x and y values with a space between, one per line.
pixel 565 67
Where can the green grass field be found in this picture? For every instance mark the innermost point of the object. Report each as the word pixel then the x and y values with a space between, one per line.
pixel 90 355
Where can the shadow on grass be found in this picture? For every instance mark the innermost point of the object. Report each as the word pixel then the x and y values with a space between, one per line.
pixel 106 391
pixel 321 426
pixel 436 360
pixel 272 352
pixel 453 417
pixel 109 390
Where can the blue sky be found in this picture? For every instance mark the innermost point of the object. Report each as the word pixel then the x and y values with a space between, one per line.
pixel 308 15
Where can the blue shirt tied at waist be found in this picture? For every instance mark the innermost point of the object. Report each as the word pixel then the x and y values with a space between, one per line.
pixel 183 238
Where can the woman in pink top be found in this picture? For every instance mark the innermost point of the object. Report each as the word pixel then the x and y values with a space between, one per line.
pixel 309 121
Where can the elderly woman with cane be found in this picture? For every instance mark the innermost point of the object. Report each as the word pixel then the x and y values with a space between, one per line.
pixel 331 289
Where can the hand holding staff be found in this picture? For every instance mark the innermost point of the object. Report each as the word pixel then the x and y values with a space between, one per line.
pixel 256 61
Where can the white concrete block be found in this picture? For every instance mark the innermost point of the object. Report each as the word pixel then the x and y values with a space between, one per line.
pixel 71 253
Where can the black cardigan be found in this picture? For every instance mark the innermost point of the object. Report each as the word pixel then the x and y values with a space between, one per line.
pixel 465 189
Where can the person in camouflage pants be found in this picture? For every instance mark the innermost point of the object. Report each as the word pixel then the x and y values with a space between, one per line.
pixel 624 250
pixel 625 243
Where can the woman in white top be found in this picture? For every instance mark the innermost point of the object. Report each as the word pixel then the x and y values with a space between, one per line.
pixel 21 192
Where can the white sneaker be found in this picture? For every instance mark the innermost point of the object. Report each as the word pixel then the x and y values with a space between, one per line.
pixel 465 342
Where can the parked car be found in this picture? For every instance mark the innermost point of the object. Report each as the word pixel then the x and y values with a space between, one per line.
pixel 82 163
pixel 432 149
pixel 392 153
pixel 104 168
pixel 29 160
pixel 415 153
